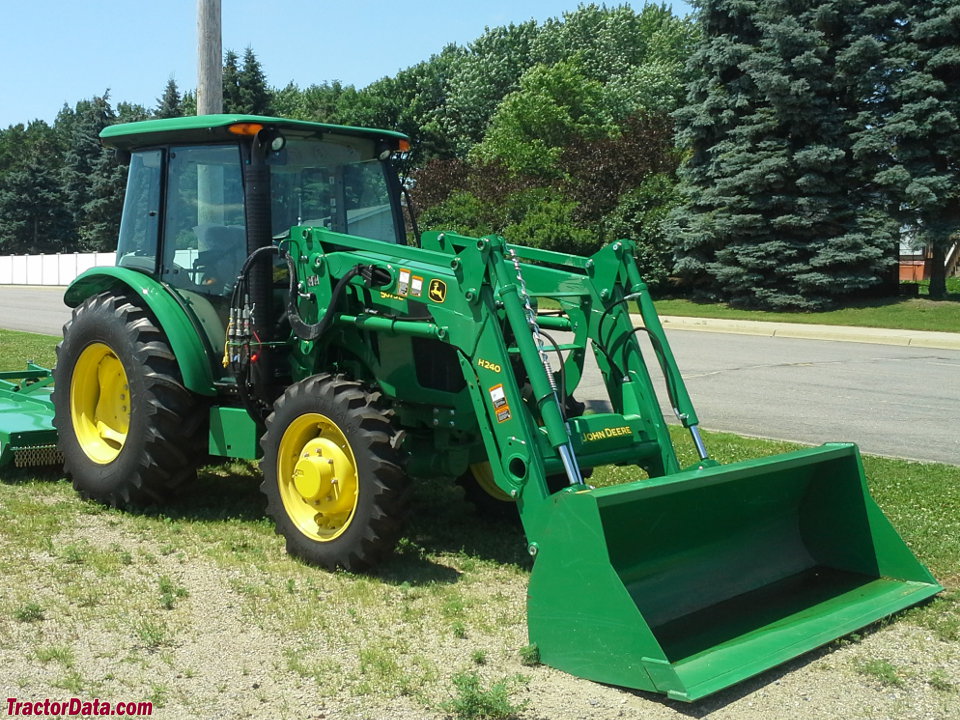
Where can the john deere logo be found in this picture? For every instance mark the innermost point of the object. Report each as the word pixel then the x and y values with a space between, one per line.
pixel 437 290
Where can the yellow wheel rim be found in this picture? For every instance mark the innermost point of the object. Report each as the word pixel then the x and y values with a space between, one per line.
pixel 317 477
pixel 483 474
pixel 100 403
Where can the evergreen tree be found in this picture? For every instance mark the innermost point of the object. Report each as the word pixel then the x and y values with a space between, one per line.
pixel 245 88
pixel 772 212
pixel 169 104
pixel 189 103
pixel 91 178
pixel 923 131
pixel 33 216
pixel 255 97
pixel 232 100
pixel 102 210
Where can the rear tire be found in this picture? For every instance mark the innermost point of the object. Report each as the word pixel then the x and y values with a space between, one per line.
pixel 129 431
pixel 332 475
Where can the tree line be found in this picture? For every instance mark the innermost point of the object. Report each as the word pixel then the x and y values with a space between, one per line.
pixel 768 153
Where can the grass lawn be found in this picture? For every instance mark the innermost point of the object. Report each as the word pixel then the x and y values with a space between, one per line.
pixel 17 348
pixel 919 313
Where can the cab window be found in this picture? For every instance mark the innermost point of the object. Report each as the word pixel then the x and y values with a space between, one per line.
pixel 204 241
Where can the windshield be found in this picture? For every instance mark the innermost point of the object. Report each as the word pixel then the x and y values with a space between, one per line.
pixel 339 186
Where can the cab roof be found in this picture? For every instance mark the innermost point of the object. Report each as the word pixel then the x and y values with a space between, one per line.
pixel 216 128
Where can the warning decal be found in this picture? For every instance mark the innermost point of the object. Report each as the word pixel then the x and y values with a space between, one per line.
pixel 403 282
pixel 499 399
pixel 416 286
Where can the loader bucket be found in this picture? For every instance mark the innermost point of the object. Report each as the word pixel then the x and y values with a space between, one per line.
pixel 689 583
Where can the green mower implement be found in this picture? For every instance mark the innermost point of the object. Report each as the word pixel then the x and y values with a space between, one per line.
pixel 27 438
pixel 266 304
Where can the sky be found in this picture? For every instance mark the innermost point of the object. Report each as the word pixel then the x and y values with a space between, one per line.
pixel 61 51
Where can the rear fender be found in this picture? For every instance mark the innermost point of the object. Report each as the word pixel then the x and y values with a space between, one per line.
pixel 171 317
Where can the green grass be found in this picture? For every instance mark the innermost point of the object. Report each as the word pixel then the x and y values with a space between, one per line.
pixel 882 671
pixel 895 313
pixel 17 348
pixel 29 612
pixel 473 701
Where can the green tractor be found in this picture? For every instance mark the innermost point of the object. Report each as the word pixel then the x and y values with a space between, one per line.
pixel 265 305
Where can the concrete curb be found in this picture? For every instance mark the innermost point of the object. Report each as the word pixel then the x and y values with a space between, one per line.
pixel 842 333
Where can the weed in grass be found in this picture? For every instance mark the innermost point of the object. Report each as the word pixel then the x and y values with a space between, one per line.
pixel 530 655
pixel 942 616
pixel 159 694
pixel 326 672
pixel 939 680
pixel 28 613
pixel 479 657
pixel 153 634
pixel 884 672
pixel 391 670
pixel 453 606
pixel 170 592
pixel 75 553
pixel 124 556
pixel 83 595
pixel 72 681
pixel 459 629
pixel 380 668
pixel 471 701
pixel 55 653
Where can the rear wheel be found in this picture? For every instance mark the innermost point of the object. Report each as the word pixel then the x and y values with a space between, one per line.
pixel 332 473
pixel 128 429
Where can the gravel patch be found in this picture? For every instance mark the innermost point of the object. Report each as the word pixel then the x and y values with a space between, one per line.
pixel 261 636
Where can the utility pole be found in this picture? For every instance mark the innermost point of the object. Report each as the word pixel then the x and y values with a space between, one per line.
pixel 209 58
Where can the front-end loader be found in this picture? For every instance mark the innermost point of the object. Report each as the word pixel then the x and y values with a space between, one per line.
pixel 265 305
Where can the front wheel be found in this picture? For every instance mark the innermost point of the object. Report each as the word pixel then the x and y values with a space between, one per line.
pixel 481 491
pixel 332 473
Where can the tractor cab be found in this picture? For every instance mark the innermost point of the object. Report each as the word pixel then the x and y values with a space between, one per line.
pixel 193 212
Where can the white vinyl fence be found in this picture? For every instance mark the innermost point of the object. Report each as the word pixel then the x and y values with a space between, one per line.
pixel 59 269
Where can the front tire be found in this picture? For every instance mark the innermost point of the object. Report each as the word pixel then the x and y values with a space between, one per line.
pixel 481 491
pixel 332 475
pixel 128 429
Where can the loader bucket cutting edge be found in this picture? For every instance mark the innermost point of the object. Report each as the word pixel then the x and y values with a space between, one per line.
pixel 689 583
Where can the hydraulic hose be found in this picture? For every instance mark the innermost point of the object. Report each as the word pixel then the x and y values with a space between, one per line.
pixel 311 331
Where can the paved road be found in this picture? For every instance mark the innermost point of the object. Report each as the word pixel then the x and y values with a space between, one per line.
pixel 890 400
pixel 36 309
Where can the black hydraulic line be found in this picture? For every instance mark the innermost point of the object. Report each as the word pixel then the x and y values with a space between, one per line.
pixel 411 212
pixel 256 407
pixel 654 341
pixel 312 331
